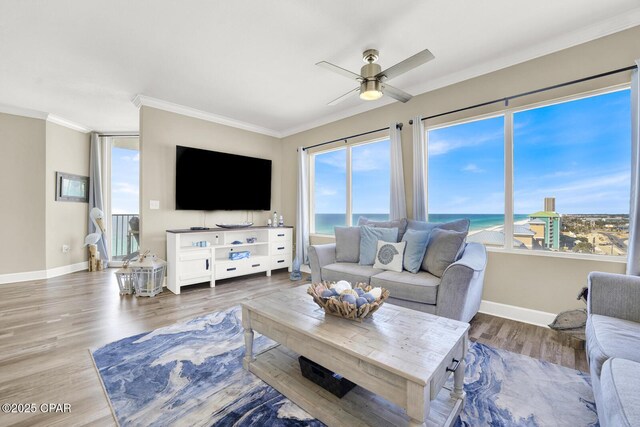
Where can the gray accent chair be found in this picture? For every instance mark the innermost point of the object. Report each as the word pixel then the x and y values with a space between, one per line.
pixel 613 347
pixel 456 295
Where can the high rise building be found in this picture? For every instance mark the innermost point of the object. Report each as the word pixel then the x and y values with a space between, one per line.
pixel 546 225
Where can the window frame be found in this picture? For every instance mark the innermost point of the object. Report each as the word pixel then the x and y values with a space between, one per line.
pixel 348 193
pixel 508 114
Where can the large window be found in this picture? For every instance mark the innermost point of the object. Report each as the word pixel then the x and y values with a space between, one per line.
pixel 348 183
pixel 466 175
pixel 571 167
pixel 569 170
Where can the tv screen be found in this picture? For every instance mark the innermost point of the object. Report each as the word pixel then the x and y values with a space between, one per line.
pixel 210 180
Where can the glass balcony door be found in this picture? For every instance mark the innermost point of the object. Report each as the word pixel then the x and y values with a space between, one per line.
pixel 123 178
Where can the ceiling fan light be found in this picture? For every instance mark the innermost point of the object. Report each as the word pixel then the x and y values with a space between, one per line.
pixel 370 90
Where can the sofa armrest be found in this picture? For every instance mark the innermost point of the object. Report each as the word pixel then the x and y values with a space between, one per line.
pixel 460 289
pixel 319 256
pixel 614 295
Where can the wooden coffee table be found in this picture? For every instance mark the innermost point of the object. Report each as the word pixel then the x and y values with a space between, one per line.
pixel 399 357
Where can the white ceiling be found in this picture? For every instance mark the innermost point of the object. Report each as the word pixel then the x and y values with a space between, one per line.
pixel 253 61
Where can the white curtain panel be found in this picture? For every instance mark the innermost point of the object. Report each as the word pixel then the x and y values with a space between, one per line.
pixel 419 170
pixel 633 256
pixel 302 210
pixel 95 190
pixel 398 201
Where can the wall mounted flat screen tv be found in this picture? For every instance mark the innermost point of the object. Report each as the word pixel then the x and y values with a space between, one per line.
pixel 210 180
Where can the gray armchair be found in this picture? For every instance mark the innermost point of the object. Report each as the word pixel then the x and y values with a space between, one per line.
pixel 456 295
pixel 613 347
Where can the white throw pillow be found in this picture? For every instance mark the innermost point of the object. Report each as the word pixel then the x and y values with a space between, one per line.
pixel 389 256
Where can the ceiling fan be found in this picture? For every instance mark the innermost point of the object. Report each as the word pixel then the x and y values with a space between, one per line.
pixel 373 81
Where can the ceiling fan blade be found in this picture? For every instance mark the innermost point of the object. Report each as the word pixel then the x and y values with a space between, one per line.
pixel 346 73
pixel 396 93
pixel 343 97
pixel 406 65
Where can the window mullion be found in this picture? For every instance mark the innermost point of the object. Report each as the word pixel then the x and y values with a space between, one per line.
pixel 508 180
pixel 349 181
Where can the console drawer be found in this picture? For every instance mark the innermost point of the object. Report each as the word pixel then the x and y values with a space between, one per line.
pixel 280 235
pixel 280 248
pixel 280 261
pixel 441 375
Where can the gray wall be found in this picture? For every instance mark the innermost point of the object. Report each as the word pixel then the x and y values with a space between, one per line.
pixel 160 132
pixel 541 283
pixel 66 222
pixel 22 194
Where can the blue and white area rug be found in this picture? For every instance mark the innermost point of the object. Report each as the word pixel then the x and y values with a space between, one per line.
pixel 190 374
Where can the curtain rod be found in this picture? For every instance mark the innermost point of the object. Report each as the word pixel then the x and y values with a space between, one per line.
pixel 345 138
pixel 532 92
pixel 106 135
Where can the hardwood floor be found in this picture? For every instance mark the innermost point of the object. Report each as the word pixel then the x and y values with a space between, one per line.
pixel 47 328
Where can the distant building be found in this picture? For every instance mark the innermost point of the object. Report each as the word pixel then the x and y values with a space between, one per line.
pixel 546 225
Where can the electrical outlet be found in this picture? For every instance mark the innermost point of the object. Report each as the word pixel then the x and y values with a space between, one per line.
pixel 65 249
pixel 154 204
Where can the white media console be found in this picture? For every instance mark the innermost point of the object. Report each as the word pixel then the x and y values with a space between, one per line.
pixel 188 264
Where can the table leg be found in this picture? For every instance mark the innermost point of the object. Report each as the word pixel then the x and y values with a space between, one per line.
pixel 458 375
pixel 248 339
pixel 418 404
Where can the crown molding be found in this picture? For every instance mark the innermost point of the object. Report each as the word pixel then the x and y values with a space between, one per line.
pixel 35 114
pixel 23 112
pixel 67 123
pixel 583 35
pixel 140 100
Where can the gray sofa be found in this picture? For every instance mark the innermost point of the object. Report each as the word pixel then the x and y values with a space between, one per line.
pixel 613 347
pixel 455 295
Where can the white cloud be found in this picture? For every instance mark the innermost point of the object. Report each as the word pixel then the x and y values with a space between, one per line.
pixel 442 146
pixel 472 167
pixel 325 191
pixel 134 158
pixel 559 174
pixel 598 193
pixel 124 187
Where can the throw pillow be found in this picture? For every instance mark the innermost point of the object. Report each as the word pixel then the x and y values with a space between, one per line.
pixel 400 224
pixel 458 225
pixel 389 256
pixel 442 250
pixel 347 244
pixel 369 237
pixel 417 241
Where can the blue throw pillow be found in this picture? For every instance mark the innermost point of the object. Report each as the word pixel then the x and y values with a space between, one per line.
pixel 417 241
pixel 369 237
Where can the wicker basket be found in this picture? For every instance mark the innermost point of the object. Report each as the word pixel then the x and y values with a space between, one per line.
pixel 339 308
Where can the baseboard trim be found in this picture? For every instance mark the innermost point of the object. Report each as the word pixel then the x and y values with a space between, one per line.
pixel 521 314
pixel 43 274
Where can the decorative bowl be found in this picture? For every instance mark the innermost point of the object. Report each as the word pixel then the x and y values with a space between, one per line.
pixel 334 306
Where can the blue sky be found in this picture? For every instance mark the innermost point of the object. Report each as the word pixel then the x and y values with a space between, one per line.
pixel 370 179
pixel 125 179
pixel 576 151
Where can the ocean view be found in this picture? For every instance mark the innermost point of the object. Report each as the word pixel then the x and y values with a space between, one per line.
pixel 326 222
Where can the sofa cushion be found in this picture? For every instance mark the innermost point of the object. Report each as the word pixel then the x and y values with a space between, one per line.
pixel 461 225
pixel 347 244
pixel 400 224
pixel 620 385
pixel 389 256
pixel 421 287
pixel 609 337
pixel 417 241
pixel 442 250
pixel 369 237
pixel 351 272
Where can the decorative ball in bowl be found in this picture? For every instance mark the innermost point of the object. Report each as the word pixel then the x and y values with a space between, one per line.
pixel 351 302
